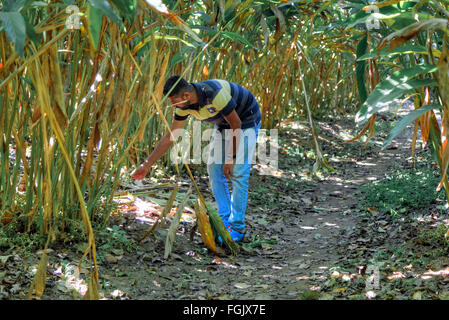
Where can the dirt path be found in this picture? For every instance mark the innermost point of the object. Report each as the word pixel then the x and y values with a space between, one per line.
pixel 311 222
pixel 308 232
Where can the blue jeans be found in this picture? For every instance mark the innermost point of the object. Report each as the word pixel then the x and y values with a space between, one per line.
pixel 231 207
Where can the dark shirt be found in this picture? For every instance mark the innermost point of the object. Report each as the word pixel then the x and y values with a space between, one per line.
pixel 216 99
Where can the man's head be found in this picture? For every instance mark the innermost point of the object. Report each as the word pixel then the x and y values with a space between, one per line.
pixel 181 93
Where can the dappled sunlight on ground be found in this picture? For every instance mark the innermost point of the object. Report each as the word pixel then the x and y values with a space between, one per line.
pixel 305 234
pixel 69 280
pixel 264 169
pixel 145 210
pixel 319 242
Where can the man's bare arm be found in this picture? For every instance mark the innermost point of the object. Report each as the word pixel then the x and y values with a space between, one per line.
pixel 161 148
pixel 236 125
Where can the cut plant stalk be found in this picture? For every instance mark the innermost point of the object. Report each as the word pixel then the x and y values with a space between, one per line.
pixel 167 209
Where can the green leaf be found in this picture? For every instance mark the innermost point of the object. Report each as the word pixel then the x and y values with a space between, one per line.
pixel 107 10
pixel 181 55
pixel 407 4
pixel 126 8
pixel 400 23
pixel 15 28
pixel 360 69
pixel 13 5
pixel 204 18
pixel 230 12
pixel 393 87
pixel 95 21
pixel 405 19
pixel 363 17
pixel 409 118
pixel 34 4
pixel 31 33
pixel 236 36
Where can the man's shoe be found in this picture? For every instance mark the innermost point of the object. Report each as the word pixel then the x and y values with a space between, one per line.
pixel 236 236
pixel 220 241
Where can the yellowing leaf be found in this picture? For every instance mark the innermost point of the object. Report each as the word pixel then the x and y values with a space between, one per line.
pixel 92 290
pixel 339 290
pixel 171 234
pixel 444 295
pixel 417 295
pixel 373 211
pixel 383 4
pixel 220 229
pixel 204 226
pixel 40 278
pixel 335 275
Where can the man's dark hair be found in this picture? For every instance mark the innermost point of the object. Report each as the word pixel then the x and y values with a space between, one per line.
pixel 179 87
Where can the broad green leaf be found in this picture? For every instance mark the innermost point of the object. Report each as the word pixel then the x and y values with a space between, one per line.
pixel 126 8
pixel 236 36
pixel 363 17
pixel 406 4
pixel 204 18
pixel 399 83
pixel 38 4
pixel 230 12
pixel 401 22
pixel 354 4
pixel 31 33
pixel 360 70
pixel 95 21
pixel 180 56
pixel 107 10
pixel 409 118
pixel 15 28
pixel 13 5
pixel 405 19
pixel 399 37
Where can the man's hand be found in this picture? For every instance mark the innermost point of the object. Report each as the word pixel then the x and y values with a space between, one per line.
pixel 141 172
pixel 159 151
pixel 227 170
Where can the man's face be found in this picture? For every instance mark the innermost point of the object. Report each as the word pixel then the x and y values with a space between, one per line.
pixel 180 101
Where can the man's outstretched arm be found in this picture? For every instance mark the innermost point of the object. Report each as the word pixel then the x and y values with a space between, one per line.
pixel 161 148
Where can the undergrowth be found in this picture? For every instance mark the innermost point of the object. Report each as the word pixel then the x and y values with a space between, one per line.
pixel 403 190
